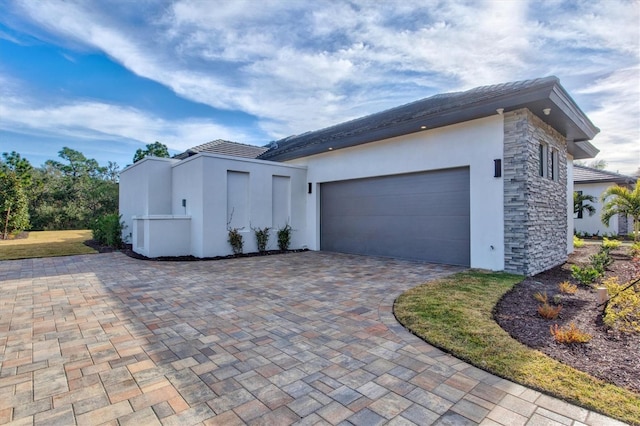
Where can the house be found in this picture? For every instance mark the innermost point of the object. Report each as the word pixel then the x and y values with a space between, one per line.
pixel 594 182
pixel 480 178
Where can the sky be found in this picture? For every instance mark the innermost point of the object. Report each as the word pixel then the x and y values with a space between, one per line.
pixel 108 77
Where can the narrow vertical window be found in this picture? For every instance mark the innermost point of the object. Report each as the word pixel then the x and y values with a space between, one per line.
pixel 555 172
pixel 542 161
pixel 579 206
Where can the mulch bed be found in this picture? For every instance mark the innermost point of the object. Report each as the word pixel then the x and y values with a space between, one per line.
pixel 129 252
pixel 610 355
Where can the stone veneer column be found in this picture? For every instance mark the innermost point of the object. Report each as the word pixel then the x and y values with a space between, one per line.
pixel 535 207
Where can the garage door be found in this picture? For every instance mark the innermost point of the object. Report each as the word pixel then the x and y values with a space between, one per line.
pixel 422 216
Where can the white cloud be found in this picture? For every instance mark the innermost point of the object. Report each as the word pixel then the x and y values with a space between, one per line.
pixel 299 66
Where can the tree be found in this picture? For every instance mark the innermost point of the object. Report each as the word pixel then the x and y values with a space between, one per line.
pixel 15 178
pixel 595 164
pixel 580 201
pixel 155 149
pixel 623 201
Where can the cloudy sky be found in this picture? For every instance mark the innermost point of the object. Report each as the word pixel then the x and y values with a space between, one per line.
pixel 108 77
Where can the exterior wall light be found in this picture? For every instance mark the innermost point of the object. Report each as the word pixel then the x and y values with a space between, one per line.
pixel 500 111
pixel 546 111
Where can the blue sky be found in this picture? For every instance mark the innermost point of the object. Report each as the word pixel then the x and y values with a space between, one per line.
pixel 108 77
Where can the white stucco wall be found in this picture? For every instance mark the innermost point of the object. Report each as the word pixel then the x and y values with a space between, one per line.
pixel 474 144
pixel 161 235
pixel 569 204
pixel 593 224
pixel 143 190
pixel 202 181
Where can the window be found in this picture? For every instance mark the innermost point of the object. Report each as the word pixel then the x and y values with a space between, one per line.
pixel 555 172
pixel 542 160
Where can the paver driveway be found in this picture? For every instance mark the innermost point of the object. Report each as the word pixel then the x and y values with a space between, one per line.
pixel 307 337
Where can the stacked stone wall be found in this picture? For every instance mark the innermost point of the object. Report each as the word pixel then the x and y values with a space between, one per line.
pixel 535 207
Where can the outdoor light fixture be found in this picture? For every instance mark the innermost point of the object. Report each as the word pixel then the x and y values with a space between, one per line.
pixel 547 111
pixel 497 167
pixel 423 127
pixel 500 111
pixel 309 188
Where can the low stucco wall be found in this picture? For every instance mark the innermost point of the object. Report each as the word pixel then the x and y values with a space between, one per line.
pixel 161 235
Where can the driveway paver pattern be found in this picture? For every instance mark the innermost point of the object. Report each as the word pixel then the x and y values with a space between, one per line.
pixel 304 338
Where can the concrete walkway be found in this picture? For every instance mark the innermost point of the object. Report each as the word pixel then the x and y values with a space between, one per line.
pixel 306 338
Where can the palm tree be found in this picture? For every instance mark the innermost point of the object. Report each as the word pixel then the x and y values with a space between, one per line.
pixel 623 201
pixel 580 203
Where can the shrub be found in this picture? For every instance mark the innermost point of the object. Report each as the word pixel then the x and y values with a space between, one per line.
pixel 107 230
pixel 567 288
pixel 567 335
pixel 235 239
pixel 622 312
pixel 610 244
pixel 284 237
pixel 577 242
pixel 585 275
pixel 634 250
pixel 262 238
pixel 541 297
pixel 601 260
pixel 547 311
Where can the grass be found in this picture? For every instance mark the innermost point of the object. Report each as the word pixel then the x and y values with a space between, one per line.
pixel 46 244
pixel 455 314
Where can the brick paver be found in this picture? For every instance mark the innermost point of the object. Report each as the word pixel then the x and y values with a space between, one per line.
pixel 305 338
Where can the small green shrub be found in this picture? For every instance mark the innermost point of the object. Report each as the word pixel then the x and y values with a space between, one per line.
pixel 262 238
pixel 235 239
pixel 622 312
pixel 577 242
pixel 601 260
pixel 586 275
pixel 284 237
pixel 610 244
pixel 107 230
pixel 634 250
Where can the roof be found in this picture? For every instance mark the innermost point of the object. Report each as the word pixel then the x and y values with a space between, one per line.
pixel 223 147
pixel 582 174
pixel 446 109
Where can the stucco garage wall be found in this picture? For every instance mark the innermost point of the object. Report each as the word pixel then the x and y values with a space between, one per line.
pixel 204 180
pixel 143 190
pixel 474 144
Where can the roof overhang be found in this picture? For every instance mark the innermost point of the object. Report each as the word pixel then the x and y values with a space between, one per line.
pixel 547 96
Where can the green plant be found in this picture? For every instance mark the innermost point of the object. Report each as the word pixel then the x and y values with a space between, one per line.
pixel 557 299
pixel 235 239
pixel 284 237
pixel 262 238
pixel 107 230
pixel 610 244
pixel 601 260
pixel 634 250
pixel 585 275
pixel 577 242
pixel 547 311
pixel 580 201
pixel 570 334
pixel 622 311
pixel 620 200
pixel 567 288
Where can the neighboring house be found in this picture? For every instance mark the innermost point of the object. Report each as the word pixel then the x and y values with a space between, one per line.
pixel 481 178
pixel 594 182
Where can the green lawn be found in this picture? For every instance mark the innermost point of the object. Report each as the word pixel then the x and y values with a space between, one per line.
pixel 46 244
pixel 455 314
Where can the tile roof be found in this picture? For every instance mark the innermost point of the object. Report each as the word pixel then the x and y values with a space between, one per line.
pixel 446 109
pixel 582 174
pixel 223 147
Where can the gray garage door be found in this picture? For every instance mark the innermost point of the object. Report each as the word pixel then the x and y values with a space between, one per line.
pixel 422 216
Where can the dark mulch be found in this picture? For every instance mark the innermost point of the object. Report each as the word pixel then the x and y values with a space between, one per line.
pixel 610 355
pixel 129 252
pixel 20 236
